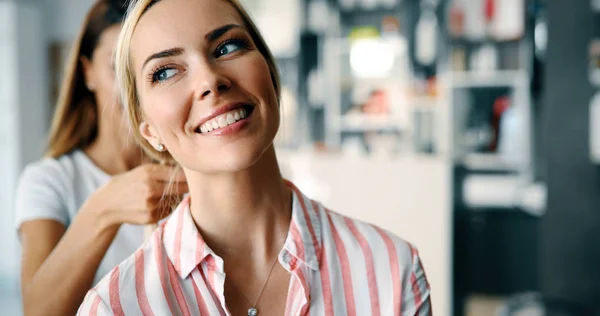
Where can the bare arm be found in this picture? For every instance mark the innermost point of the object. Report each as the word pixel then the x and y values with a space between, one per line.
pixel 59 264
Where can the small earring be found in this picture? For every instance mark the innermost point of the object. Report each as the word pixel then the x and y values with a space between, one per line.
pixel 90 86
pixel 160 147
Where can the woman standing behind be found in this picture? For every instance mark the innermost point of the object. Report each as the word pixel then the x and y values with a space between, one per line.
pixel 74 208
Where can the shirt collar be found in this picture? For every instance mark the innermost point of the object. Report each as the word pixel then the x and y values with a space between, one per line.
pixel 304 240
pixel 186 248
pixel 183 243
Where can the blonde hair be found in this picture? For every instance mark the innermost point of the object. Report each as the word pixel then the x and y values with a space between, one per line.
pixel 75 120
pixel 126 75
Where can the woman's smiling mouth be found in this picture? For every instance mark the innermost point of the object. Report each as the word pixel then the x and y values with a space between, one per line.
pixel 225 122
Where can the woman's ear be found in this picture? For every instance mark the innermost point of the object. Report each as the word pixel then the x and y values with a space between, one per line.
pixel 150 136
pixel 88 73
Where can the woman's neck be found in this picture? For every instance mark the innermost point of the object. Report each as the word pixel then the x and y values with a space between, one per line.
pixel 243 215
pixel 113 151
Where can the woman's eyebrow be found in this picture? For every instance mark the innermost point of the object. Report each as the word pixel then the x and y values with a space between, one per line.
pixel 218 32
pixel 176 51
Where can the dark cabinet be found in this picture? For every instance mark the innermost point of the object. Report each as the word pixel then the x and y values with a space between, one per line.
pixel 496 253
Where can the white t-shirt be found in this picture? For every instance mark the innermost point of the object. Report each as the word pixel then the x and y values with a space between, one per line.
pixel 57 188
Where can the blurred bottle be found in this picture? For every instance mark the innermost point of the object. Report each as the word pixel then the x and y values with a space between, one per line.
pixel 511 142
pixel 456 19
pixel 426 36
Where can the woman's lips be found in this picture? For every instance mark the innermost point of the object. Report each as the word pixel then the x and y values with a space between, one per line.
pixel 227 122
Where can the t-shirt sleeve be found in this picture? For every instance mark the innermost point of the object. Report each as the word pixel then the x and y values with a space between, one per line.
pixel 40 193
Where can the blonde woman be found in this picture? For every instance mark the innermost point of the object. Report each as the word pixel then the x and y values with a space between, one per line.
pixel 74 207
pixel 202 91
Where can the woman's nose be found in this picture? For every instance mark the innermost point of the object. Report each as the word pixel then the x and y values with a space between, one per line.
pixel 212 83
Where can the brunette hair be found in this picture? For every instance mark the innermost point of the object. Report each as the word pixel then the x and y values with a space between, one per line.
pixel 75 124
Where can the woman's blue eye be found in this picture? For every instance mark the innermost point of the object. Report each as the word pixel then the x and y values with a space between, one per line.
pixel 164 74
pixel 229 48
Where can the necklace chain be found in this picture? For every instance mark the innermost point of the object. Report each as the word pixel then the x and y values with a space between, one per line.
pixel 252 311
pixel 262 288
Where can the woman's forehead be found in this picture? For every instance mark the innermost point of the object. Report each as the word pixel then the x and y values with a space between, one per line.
pixel 176 23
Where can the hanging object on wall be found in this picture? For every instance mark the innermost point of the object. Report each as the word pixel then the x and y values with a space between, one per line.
pixel 426 37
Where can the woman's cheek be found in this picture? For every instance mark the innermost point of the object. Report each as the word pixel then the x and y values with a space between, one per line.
pixel 166 112
pixel 259 78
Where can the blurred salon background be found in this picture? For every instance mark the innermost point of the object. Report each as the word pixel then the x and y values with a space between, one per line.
pixel 471 128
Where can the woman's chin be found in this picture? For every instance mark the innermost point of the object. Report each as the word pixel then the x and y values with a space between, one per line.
pixel 230 162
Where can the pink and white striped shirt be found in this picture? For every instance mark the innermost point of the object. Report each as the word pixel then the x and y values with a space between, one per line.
pixel 338 266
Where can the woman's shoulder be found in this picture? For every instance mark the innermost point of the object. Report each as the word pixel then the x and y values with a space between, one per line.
pixel 44 190
pixel 45 167
pixel 49 176
pixel 51 167
pixel 362 238
pixel 393 261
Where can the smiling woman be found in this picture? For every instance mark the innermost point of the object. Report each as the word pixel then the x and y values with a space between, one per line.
pixel 202 92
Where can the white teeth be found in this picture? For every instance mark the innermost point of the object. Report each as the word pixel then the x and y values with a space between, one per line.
pixel 230 119
pixel 223 120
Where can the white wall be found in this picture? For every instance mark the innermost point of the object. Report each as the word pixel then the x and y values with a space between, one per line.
pixel 23 114
pixel 8 126
pixel 63 18
pixel 27 27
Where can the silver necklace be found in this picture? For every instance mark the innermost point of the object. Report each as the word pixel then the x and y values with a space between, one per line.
pixel 252 311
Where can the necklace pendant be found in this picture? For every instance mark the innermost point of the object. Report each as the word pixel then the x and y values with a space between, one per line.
pixel 252 311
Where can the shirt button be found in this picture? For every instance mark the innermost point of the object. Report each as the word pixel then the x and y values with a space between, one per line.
pixel 287 258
